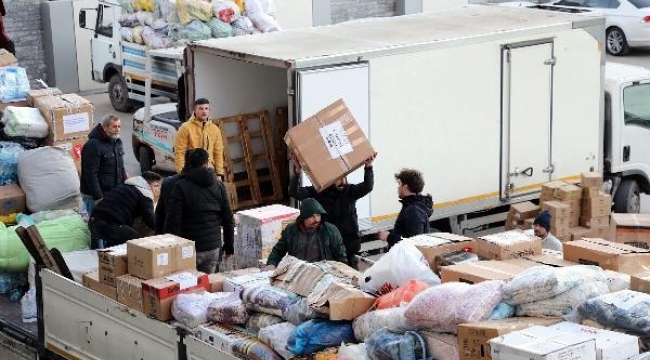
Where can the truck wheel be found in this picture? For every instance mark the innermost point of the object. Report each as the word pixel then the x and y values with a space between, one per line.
pixel 146 159
pixel 119 94
pixel 628 198
pixel 616 42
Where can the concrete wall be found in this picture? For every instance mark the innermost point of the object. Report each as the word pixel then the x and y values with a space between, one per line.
pixel 344 10
pixel 23 25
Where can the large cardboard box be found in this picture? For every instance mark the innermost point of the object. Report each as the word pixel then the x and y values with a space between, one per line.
pixel 36 93
pixel 610 345
pixel 606 254
pixel 7 58
pixel 157 256
pixel 129 291
pixel 73 147
pixel 341 301
pixel 557 209
pixel 641 282
pixel 113 262
pixel 473 339
pixel 12 199
pixel 329 145
pixel 543 343
pixel 91 281
pixel 568 192
pixel 21 103
pixel 631 229
pixel 579 232
pixel 591 180
pixel 600 205
pixel 218 280
pixel 574 212
pixel 237 283
pixel 595 222
pixel 479 271
pixel 259 230
pixel 70 116
pixel 548 190
pixel 507 245
pixel 550 260
pixel 524 210
pixel 435 244
pixel 301 277
pixel 158 294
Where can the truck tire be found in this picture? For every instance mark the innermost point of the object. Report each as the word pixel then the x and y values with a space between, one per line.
pixel 628 197
pixel 119 94
pixel 146 159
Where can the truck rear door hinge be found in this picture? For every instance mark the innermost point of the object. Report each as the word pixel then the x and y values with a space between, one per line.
pixel 552 61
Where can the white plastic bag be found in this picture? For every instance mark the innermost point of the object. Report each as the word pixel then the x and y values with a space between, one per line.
pixel 353 352
pixel 127 33
pixel 255 7
pixel 243 26
pixel 226 11
pixel 264 23
pixel 28 306
pixel 192 309
pixel 24 121
pixel 403 262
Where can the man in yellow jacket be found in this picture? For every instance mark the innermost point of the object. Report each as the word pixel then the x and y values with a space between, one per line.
pixel 200 132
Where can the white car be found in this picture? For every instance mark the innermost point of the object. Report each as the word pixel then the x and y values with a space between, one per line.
pixel 628 21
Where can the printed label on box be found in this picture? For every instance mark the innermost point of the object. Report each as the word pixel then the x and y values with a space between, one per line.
pixel 336 139
pixel 163 259
pixel 187 252
pixel 76 123
pixel 185 280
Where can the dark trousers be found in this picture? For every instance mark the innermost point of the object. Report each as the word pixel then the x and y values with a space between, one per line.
pixel 352 248
pixel 104 234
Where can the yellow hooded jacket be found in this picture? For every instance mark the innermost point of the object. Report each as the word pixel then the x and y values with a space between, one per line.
pixel 196 134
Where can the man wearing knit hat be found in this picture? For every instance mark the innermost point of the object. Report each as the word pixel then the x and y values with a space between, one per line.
pixel 542 229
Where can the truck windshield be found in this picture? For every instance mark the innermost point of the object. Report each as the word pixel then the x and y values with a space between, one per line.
pixel 105 21
pixel 636 103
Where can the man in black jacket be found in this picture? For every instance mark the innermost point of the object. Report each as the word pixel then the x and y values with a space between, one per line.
pixel 112 221
pixel 163 206
pixel 340 203
pixel 413 219
pixel 102 161
pixel 198 209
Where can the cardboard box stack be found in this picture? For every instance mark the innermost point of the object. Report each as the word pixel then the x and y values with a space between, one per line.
pixel 478 271
pixel 521 216
pixel 596 206
pixel 329 145
pixel 433 245
pixel 508 245
pixel 631 229
pixel 608 255
pixel 258 231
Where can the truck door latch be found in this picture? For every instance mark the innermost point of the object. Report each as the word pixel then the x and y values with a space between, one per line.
pixel 527 172
pixel 549 170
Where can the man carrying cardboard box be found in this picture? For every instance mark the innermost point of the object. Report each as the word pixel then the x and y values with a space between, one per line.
pixel 339 201
pixel 102 162
pixel 199 208
pixel 413 219
pixel 542 229
pixel 309 238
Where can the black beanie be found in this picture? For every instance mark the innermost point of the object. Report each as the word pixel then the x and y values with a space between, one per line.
pixel 543 220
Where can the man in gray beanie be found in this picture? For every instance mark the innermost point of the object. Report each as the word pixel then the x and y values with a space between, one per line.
pixel 542 229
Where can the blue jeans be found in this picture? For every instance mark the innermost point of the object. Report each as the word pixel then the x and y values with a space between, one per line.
pixel 89 203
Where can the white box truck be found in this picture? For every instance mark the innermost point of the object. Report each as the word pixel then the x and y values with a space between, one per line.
pixel 488 102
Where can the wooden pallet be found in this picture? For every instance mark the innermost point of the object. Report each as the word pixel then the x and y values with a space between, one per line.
pixel 282 125
pixel 250 161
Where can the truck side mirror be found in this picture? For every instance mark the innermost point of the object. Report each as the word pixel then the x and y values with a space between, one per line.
pixel 82 18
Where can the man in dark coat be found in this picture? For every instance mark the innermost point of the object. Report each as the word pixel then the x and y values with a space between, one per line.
pixel 340 204
pixel 309 238
pixel 112 221
pixel 198 209
pixel 413 218
pixel 163 206
pixel 102 161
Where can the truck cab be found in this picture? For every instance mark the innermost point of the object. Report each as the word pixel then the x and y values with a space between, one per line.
pixel 121 64
pixel 627 131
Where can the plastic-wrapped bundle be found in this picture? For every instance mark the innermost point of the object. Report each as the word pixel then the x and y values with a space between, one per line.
pixel 255 7
pixel 25 122
pixel 617 281
pixel 144 5
pixel 155 40
pixel 67 234
pixel 12 280
pixel 137 35
pixel 265 23
pixel 400 296
pixel 388 345
pixel 315 335
pixel 370 322
pixel 226 11
pixel 127 33
pixel 502 311
pixel 254 349
pixel 14 84
pixel 192 309
pixel 189 10
pixel 299 312
pixel 258 321
pixel 220 29
pixel 195 31
pixel 228 310
pixel 544 282
pixel 276 337
pixel 353 352
pixel 441 346
pixel 9 162
pixel 128 20
pixel 145 18
pixel 564 303
pixel 625 311
pixel 268 299
pixel 243 26
pixel 445 306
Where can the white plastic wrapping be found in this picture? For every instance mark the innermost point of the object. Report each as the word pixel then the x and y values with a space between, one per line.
pixel 24 121
pixel 192 309
pixel 564 303
pixel 276 337
pixel 353 352
pixel 368 323
pixel 441 346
